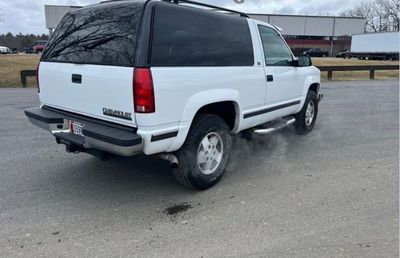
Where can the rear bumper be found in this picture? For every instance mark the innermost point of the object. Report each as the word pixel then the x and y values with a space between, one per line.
pixel 97 134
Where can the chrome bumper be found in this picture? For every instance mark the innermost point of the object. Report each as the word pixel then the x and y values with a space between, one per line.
pixel 105 137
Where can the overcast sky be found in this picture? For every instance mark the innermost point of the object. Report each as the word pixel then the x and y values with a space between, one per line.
pixel 27 16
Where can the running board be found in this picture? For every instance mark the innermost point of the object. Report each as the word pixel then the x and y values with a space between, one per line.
pixel 275 127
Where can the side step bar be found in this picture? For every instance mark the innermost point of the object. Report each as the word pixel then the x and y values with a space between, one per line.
pixel 274 127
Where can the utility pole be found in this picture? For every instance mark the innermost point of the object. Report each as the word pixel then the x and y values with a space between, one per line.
pixel 333 36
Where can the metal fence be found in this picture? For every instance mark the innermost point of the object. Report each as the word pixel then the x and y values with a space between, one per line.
pixel 370 68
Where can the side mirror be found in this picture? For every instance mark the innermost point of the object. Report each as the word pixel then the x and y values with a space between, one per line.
pixel 304 61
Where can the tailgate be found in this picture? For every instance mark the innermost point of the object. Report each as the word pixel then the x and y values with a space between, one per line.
pixel 98 91
pixel 87 64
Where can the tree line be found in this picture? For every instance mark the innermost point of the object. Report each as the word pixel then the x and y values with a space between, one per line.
pixel 380 15
pixel 20 41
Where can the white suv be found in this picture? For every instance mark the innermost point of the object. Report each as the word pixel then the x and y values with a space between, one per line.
pixel 167 78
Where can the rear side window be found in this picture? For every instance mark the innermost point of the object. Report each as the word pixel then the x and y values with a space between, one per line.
pixel 185 36
pixel 104 34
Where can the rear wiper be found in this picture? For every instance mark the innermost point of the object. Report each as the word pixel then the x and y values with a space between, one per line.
pixel 92 45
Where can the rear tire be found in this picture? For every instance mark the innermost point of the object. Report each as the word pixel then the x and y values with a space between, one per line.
pixel 306 118
pixel 205 153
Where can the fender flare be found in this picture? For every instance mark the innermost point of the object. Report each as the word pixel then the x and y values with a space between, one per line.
pixel 204 98
pixel 199 100
pixel 310 80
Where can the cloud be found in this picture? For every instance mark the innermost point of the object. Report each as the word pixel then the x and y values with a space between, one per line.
pixel 27 16
pixel 285 10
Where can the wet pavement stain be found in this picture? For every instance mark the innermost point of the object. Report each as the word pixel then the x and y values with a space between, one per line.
pixel 178 208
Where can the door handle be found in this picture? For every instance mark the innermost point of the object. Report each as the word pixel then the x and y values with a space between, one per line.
pixel 270 78
pixel 77 78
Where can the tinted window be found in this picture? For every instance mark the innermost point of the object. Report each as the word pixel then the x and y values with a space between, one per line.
pixel 104 34
pixel 185 36
pixel 275 50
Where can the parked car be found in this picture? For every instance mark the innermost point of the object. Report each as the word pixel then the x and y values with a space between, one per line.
pixel 28 49
pixel 13 50
pixel 4 50
pixel 316 52
pixel 39 46
pixel 343 54
pixel 181 94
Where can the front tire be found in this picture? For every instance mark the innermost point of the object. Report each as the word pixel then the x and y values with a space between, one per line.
pixel 205 153
pixel 306 118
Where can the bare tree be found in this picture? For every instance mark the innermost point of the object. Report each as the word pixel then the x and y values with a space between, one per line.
pixel 366 10
pixel 391 12
pixel 380 15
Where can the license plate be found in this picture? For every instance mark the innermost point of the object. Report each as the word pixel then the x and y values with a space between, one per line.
pixel 75 127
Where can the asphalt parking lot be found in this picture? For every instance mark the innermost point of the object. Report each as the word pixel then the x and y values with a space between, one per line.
pixel 333 193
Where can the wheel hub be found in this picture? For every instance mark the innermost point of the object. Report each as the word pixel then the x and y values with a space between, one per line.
pixel 210 152
pixel 310 113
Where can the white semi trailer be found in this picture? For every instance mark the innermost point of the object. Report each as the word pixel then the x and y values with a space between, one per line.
pixel 381 45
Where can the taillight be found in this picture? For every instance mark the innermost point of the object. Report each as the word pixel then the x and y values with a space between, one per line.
pixel 143 91
pixel 37 77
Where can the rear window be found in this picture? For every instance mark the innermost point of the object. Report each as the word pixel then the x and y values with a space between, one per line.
pixel 185 36
pixel 104 34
